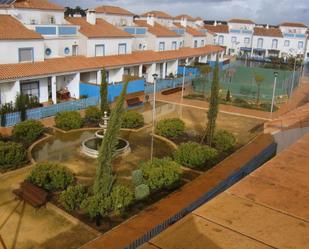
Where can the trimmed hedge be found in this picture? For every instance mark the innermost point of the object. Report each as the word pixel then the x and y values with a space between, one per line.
pixel 121 197
pixel 224 141
pixel 93 115
pixel 28 131
pixel 195 155
pixel 68 120
pixel 12 155
pixel 51 176
pixel 142 192
pixel 132 119
pixel 161 173
pixel 97 204
pixel 72 197
pixel 170 128
pixel 137 177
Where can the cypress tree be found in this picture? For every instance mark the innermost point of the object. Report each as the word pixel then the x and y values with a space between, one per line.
pixel 104 174
pixel 21 105
pixel 104 93
pixel 213 107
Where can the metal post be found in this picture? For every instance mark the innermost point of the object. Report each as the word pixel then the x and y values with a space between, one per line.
pixel 293 77
pixel 183 82
pixel 274 91
pixel 153 113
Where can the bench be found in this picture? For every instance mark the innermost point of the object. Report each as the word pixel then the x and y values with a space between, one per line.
pixel 31 194
pixel 171 91
pixel 134 101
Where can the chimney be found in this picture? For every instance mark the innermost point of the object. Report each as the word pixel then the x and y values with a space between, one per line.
pixel 91 16
pixel 183 22
pixel 150 20
pixel 267 26
pixel 215 23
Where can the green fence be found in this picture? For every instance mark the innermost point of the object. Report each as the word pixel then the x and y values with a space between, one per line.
pixel 241 82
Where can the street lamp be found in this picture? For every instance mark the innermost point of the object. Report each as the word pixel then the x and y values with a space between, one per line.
pixel 274 91
pixel 155 77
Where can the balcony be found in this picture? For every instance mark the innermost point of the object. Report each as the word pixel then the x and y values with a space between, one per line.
pixel 291 35
pixel 55 30
pixel 241 31
pixel 135 30
pixel 178 31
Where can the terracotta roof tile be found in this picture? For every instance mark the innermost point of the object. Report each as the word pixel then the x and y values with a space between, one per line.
pixel 73 64
pixel 33 4
pixel 293 24
pixel 12 29
pixel 101 29
pixel 267 32
pixel 157 30
pixel 245 21
pixel 113 10
pixel 220 28
pixel 198 19
pixel 189 18
pixel 159 14
pixel 190 30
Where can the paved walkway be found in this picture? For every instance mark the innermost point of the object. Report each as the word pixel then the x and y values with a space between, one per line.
pixel 300 96
pixel 137 226
pixel 268 209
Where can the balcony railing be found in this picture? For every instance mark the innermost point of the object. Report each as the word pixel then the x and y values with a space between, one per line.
pixel 240 31
pixel 289 35
pixel 55 30
pixel 135 30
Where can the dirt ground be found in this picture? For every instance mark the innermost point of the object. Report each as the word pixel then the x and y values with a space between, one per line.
pixel 23 227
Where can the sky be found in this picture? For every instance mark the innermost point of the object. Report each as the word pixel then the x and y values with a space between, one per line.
pixel 260 11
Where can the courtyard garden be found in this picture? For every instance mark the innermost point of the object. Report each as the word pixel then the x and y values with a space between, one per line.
pixel 106 190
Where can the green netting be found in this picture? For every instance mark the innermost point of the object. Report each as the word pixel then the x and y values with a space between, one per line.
pixel 242 82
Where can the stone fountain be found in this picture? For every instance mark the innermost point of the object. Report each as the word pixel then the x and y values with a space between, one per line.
pixel 90 146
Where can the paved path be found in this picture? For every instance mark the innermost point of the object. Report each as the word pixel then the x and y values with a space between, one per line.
pixel 137 226
pixel 269 209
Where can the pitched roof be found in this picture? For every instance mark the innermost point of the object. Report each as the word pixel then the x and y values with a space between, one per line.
pixel 189 18
pixel 293 24
pixel 78 63
pixel 12 29
pixel 101 29
pixel 114 10
pixel 198 19
pixel 33 4
pixel 275 32
pixel 220 28
pixel 158 13
pixel 190 30
pixel 244 21
pixel 157 30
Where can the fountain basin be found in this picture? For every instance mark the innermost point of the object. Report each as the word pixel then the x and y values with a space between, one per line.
pixel 90 147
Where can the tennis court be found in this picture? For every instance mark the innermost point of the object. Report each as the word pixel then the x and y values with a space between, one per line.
pixel 241 81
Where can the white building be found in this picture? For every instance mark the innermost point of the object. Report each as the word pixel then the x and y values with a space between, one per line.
pixel 160 17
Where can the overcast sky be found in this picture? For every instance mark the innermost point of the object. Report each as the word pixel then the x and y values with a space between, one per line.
pixel 260 11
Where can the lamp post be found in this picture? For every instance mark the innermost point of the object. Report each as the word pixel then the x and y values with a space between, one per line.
pixel 274 91
pixel 183 81
pixel 155 77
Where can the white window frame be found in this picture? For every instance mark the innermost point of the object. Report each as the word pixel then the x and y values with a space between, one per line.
pixel 274 44
pixel 19 55
pixel 161 46
pixel 221 40
pixel 260 42
pixel 125 48
pixel 286 43
pixel 233 39
pixel 99 46
pixel 174 45
pixel 195 44
pixel 247 40
pixel 302 44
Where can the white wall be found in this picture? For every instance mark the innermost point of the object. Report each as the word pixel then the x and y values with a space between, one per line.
pixel 117 20
pixel 57 46
pixel 7 92
pixel 9 50
pixel 40 16
pixel 168 42
pixel 267 42
pixel 115 75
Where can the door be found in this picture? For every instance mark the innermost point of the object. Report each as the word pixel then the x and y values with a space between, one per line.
pixel 74 50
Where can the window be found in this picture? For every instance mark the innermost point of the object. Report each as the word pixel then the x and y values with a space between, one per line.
pixel 122 48
pixel 300 44
pixel 180 44
pixel 48 51
pixel 195 43
pixel 26 55
pixel 234 39
pixel 161 46
pixel 247 40
pixel 74 50
pixel 274 44
pixel 202 43
pixel 174 45
pixel 140 46
pixel 31 89
pixel 99 50
pixel 286 43
pixel 260 43
pixel 221 40
pixel 52 20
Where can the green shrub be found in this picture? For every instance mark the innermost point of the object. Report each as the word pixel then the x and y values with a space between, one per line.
pixel 51 176
pixel 137 177
pixel 28 131
pixel 12 155
pixel 97 204
pixel 224 141
pixel 142 192
pixel 267 107
pixel 72 197
pixel 121 197
pixel 68 120
pixel 171 128
pixel 132 120
pixel 161 173
pixel 92 115
pixel 195 155
pixel 242 103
